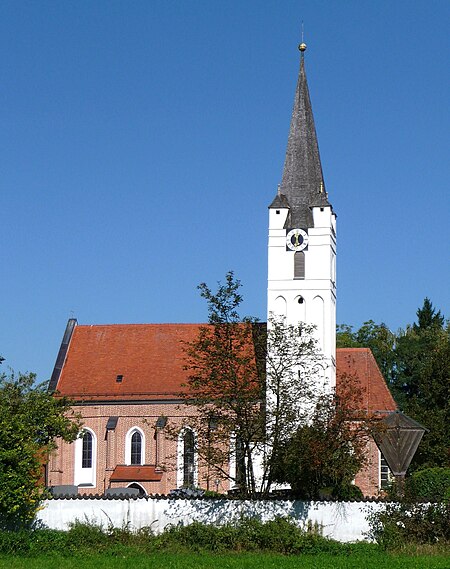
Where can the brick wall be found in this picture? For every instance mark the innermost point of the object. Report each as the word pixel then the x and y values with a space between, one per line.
pixel 160 449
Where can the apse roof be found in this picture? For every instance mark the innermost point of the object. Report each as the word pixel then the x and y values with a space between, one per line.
pixel 360 363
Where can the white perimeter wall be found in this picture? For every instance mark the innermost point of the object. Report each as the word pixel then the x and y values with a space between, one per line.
pixel 343 521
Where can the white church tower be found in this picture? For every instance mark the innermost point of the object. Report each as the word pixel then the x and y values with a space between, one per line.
pixel 302 234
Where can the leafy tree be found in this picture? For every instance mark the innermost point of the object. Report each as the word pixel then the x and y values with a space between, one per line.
pixel 421 383
pixel 30 421
pixel 261 385
pixel 416 364
pixel 377 337
pixel 295 382
pixel 225 385
pixel 324 454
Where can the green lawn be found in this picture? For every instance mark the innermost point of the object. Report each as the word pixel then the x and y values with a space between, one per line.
pixel 375 560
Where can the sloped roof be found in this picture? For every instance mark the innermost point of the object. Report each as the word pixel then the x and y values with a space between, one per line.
pixel 150 358
pixel 302 182
pixel 145 473
pixel 280 200
pixel 360 363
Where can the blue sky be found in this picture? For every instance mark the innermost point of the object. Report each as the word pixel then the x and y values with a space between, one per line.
pixel 141 143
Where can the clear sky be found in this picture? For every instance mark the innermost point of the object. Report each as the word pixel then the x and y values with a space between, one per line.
pixel 141 143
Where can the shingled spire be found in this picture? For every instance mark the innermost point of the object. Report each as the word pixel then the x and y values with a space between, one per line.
pixel 302 183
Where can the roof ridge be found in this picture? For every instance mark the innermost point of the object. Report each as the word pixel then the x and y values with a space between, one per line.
pixel 143 324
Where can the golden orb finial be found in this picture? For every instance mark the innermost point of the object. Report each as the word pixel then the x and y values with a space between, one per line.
pixel 302 47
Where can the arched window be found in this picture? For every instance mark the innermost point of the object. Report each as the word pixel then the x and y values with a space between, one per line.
pixel 135 447
pixel 318 318
pixel 86 453
pixel 240 463
pixel 188 459
pixel 280 307
pixel 85 458
pixel 138 487
pixel 238 470
pixel 299 265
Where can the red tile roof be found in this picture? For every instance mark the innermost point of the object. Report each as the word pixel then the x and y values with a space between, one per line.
pixel 360 363
pixel 143 473
pixel 150 359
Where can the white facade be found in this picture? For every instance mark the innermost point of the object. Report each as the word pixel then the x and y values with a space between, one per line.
pixel 310 298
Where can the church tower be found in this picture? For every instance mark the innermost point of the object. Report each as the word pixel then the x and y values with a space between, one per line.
pixel 302 234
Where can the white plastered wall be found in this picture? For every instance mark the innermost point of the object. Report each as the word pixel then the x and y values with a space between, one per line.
pixel 317 289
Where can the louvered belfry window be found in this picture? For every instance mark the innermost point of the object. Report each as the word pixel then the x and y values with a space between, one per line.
pixel 385 473
pixel 299 265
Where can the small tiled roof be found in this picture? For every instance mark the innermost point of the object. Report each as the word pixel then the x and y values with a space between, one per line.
pixel 280 200
pixel 360 363
pixel 145 473
pixel 137 362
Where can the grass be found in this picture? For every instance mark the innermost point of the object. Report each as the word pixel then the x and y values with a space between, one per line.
pixel 161 560
pixel 248 544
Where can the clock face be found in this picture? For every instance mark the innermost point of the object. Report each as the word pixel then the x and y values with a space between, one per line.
pixel 296 239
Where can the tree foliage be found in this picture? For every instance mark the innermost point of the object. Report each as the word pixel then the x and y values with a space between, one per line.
pixel 224 384
pixel 265 388
pixel 421 383
pixel 295 383
pixel 416 363
pixel 325 453
pixel 377 337
pixel 30 421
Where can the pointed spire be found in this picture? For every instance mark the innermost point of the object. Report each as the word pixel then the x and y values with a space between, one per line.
pixel 302 181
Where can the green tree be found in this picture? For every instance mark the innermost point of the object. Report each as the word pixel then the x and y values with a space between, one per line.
pixel 30 421
pixel 427 317
pixel 416 364
pixel 324 454
pixel 295 383
pixel 260 384
pixel 225 386
pixel 377 337
pixel 421 383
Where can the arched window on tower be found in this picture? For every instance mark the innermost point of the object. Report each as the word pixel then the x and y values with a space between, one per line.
pixel 299 265
pixel 136 448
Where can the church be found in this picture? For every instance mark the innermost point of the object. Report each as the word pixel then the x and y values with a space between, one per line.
pixel 125 379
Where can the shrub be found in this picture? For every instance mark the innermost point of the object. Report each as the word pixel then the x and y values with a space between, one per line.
pixel 280 535
pixel 399 524
pixel 84 538
pixel 29 542
pixel 430 484
pixel 347 492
